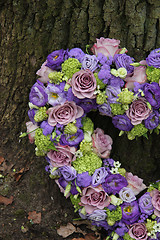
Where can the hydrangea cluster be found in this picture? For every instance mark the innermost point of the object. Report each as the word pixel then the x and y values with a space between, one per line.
pixel 72 83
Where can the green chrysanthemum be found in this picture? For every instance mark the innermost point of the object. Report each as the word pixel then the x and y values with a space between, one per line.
pixel 41 114
pixel 101 98
pixel 88 125
pixel 113 216
pixel 56 77
pixel 138 130
pixel 153 74
pixel 117 109
pixel 125 97
pixel 71 66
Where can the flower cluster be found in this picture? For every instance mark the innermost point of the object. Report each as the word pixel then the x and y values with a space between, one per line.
pixel 71 84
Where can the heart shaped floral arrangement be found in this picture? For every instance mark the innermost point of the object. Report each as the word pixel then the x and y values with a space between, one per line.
pixel 71 84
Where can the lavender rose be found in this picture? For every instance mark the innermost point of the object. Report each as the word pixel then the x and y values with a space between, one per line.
pixel 102 143
pixel 145 204
pixel 64 114
pixel 69 173
pixel 153 58
pixel 37 94
pixel 106 46
pixel 83 84
pixel 135 183
pixel 138 111
pixel 94 198
pixel 56 58
pixel 127 195
pixel 43 72
pixel 98 215
pixel 62 157
pixel 155 194
pixel 130 212
pixel 138 231
pixel 90 62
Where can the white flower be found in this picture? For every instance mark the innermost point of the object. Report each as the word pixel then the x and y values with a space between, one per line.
pixel 127 195
pixel 117 164
pixel 114 170
pixel 156 227
pixel 79 154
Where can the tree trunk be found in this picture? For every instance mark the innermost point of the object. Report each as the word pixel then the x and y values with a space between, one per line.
pixel 29 31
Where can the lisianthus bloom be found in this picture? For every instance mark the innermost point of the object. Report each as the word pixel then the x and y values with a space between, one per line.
pixel 64 114
pixel 90 62
pixel 47 129
pixel 152 94
pixel 68 172
pixel 152 121
pixel 97 215
pixel 106 46
pixel 145 204
pixel 37 94
pixel 30 128
pixel 105 109
pixel 122 122
pixel 98 176
pixel 130 212
pixel 83 179
pixel 138 111
pixel 155 194
pixel 83 84
pixel 87 104
pixel 56 94
pixel 112 92
pixel 94 198
pixel 43 73
pixel 153 58
pixel 135 183
pixel 123 60
pixel 62 157
pixel 56 58
pixel 138 231
pixel 72 140
pixel 102 143
pixel 127 195
pixel 76 53
pixel 114 183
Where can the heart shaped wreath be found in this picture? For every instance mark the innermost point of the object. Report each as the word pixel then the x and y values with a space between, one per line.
pixel 71 84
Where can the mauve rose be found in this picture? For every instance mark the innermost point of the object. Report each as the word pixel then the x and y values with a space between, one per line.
pixel 155 194
pixel 83 84
pixel 31 127
pixel 138 111
pixel 106 46
pixel 138 231
pixel 94 198
pixel 43 72
pixel 64 114
pixel 102 143
pixel 139 75
pixel 62 157
pixel 135 183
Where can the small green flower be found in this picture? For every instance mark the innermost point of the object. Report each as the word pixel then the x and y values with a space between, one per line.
pixel 70 128
pixel 117 109
pixel 153 74
pixel 88 125
pixel 138 130
pixel 125 96
pixel 99 82
pixel 71 66
pixel 41 114
pixel 101 98
pixel 56 77
pixel 122 72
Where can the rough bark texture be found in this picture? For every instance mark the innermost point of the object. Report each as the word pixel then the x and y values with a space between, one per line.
pixel 29 31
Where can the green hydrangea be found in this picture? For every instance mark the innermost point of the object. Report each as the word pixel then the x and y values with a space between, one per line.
pixel 71 66
pixel 153 74
pixel 125 96
pixel 138 130
pixel 85 146
pixel 88 162
pixel 150 224
pixel 41 114
pixel 43 142
pixel 99 82
pixel 75 201
pixel 113 216
pixel 56 77
pixel 101 98
pixel 117 109
pixel 127 237
pixel 70 128
pixel 88 125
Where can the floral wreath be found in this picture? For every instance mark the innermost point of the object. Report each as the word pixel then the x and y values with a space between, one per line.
pixel 71 83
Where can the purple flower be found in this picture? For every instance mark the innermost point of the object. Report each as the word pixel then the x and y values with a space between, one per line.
pixel 72 140
pixel 121 231
pixel 83 179
pixel 56 94
pixel 47 129
pixel 76 53
pixel 122 122
pixel 108 162
pixel 127 195
pixel 69 173
pixel 97 215
pixel 37 94
pixel 130 212
pixel 104 73
pixel 145 204
pixel 152 94
pixel 112 93
pixel 63 183
pixel 114 183
pixel 98 176
pixel 90 62
pixel 104 60
pixel 123 60
pixel 31 113
pixel 56 58
pixel 152 121
pixel 87 104
pixel 153 58
pixel 116 82
pixel 105 109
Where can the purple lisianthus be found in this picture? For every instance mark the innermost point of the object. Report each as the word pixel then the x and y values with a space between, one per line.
pixel 123 60
pixel 37 94
pixel 127 195
pixel 90 62
pixel 114 183
pixel 87 104
pixel 153 58
pixel 69 173
pixel 47 129
pixel 130 212
pixel 72 140
pixel 105 109
pixel 83 179
pixel 63 183
pixel 112 93
pixel 31 113
pixel 97 215
pixel 122 122
pixel 76 53
pixel 56 58
pixel 152 94
pixel 152 121
pixel 56 94
pixel 98 176
pixel 145 204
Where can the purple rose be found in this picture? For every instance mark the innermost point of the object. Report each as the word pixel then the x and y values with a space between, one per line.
pixel 114 183
pixel 69 173
pixel 153 58
pixel 98 176
pixel 64 114
pixel 138 231
pixel 138 111
pixel 98 215
pixel 152 121
pixel 145 204
pixel 72 140
pixel 83 179
pixel 76 53
pixel 83 84
pixel 122 122
pixel 123 60
pixel 37 94
pixel 152 94
pixel 90 62
pixel 56 58
pixel 94 198
pixel 130 212
pixel 62 157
